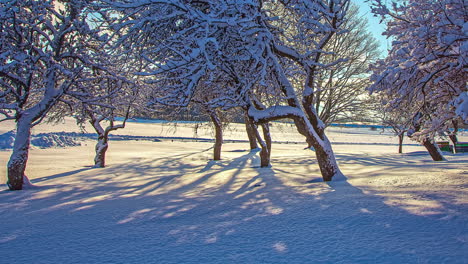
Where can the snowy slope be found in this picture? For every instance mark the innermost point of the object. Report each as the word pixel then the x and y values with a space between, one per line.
pixel 166 202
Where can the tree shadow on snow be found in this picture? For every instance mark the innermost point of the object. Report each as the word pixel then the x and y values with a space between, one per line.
pixel 179 209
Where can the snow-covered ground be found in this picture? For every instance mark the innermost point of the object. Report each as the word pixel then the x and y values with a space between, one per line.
pixel 162 200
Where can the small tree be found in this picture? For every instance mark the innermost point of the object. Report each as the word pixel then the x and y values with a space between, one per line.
pixel 117 101
pixel 341 90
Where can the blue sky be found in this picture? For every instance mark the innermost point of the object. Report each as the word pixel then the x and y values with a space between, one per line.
pixel 374 25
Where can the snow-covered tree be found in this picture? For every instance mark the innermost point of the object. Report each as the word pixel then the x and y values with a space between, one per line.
pixel 47 50
pixel 191 44
pixel 426 64
pixel 302 52
pixel 117 100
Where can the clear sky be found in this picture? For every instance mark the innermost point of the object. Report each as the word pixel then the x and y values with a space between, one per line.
pixel 374 25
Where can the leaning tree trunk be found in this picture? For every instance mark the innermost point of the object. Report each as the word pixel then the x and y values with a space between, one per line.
pixel 19 156
pixel 326 160
pixel 433 149
pixel 310 125
pixel 250 132
pixel 323 149
pixel 315 130
pixel 218 135
pixel 400 142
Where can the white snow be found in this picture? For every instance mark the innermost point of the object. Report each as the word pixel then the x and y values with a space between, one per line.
pixel 167 202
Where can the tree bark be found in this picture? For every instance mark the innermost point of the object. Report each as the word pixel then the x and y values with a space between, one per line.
pixel 101 149
pixel 454 139
pixel 250 132
pixel 323 150
pixel 400 142
pixel 433 149
pixel 218 135
pixel 267 135
pixel 265 146
pixel 326 160
pixel 103 134
pixel 265 155
pixel 19 157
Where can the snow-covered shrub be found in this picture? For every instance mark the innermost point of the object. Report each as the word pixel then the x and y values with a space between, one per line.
pixel 7 140
pixel 43 140
pixel 47 140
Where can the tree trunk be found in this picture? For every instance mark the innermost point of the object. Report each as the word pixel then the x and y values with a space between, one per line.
pixel 19 156
pixel 265 155
pixel 267 135
pixel 101 149
pixel 323 150
pixel 400 142
pixel 433 149
pixel 454 139
pixel 250 132
pixel 453 136
pixel 327 162
pixel 265 147
pixel 218 135
pixel 309 124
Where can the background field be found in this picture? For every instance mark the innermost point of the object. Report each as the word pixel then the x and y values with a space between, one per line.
pixel 162 200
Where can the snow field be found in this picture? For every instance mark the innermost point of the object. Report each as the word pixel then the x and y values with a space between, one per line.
pixel 167 202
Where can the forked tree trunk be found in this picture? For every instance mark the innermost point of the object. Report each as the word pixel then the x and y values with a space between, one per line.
pixel 433 149
pixel 218 135
pixel 308 123
pixel 250 132
pixel 103 134
pixel 400 142
pixel 103 138
pixel 19 157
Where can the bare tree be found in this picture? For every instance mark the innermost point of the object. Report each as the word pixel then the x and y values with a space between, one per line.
pixel 341 88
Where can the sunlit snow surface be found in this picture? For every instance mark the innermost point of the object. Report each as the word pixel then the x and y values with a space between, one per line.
pixel 167 202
